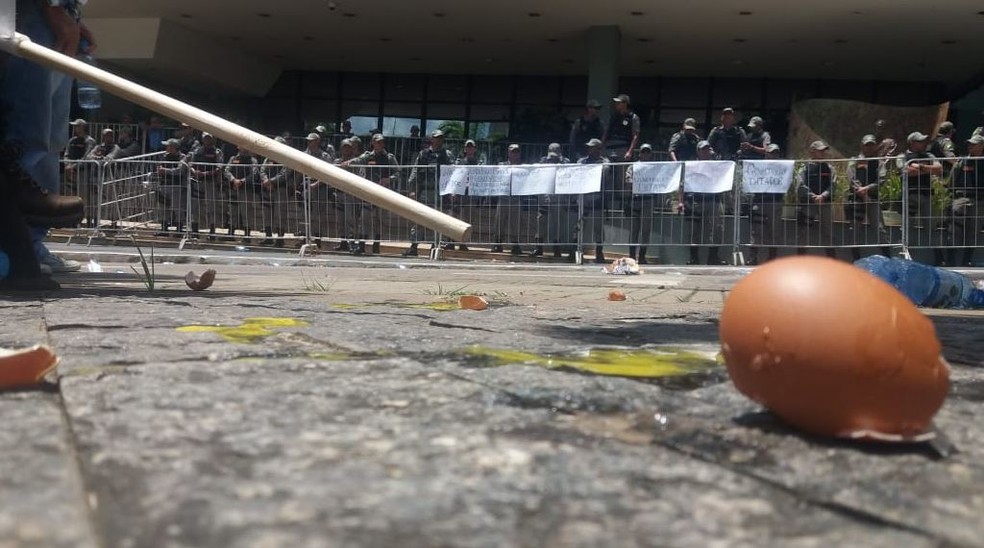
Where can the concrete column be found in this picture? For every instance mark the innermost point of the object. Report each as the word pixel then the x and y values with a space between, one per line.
pixel 604 54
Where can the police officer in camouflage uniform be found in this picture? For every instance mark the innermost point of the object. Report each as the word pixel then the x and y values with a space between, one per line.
pixel 380 168
pixel 967 181
pixel 866 173
pixel 279 184
pixel 210 190
pixel 726 139
pixel 683 144
pixel 758 140
pixel 942 147
pixel 594 206
pixel 186 136
pixel 704 213
pixel 512 212
pixel 321 197
pixel 242 174
pixel 640 210
pixel 766 214
pixel 587 126
pixel 171 176
pixel 815 184
pixel 549 208
pixel 461 206
pixel 919 166
pixel 78 147
pixel 422 183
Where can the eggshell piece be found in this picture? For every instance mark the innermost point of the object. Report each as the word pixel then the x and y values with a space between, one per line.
pixel 25 368
pixel 833 350
pixel 616 295
pixel 472 302
pixel 200 283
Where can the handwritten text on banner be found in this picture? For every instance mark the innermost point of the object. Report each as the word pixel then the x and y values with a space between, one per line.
pixel 767 176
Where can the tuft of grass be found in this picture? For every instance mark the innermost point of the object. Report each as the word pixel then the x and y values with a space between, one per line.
pixel 452 294
pixel 447 293
pixel 317 286
pixel 149 276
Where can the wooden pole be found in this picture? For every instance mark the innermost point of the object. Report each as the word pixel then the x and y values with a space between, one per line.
pixel 250 140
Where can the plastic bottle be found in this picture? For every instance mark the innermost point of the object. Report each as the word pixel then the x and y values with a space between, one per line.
pixel 925 285
pixel 90 98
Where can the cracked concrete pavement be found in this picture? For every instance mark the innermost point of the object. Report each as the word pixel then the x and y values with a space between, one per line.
pixel 367 423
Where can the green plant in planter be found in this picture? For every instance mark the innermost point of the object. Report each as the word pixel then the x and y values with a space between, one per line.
pixel 890 192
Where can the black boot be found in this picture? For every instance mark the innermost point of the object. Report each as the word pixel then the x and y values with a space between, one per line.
pixel 556 251
pixel 497 248
pixel 694 255
pixel 632 252
pixel 342 246
pixel 600 255
pixel 360 249
pixel 537 251
pixel 642 255
pixel 713 258
pixel 375 248
pixel 412 252
pixel 516 250
pixel 211 233
pixel 268 232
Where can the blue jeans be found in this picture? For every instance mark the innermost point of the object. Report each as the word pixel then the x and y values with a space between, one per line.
pixel 36 102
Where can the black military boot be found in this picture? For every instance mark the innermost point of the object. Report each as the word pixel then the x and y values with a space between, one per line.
pixel 600 255
pixel 375 247
pixel 642 256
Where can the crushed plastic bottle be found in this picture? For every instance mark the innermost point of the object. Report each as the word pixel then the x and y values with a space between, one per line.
pixel 925 285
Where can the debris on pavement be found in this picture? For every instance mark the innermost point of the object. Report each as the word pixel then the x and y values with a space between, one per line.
pixel 26 367
pixel 472 302
pixel 200 283
pixel 623 265
pixel 616 295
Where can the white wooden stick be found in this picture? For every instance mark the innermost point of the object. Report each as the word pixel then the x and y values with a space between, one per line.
pixel 250 140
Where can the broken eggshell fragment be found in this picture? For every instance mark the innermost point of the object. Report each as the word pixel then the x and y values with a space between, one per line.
pixel 26 367
pixel 472 302
pixel 200 283
pixel 833 350
pixel 616 295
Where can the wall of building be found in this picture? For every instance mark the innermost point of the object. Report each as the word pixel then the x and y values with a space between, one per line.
pixel 538 108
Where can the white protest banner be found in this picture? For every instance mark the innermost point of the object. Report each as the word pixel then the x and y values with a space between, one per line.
pixel 579 178
pixel 656 177
pixel 711 177
pixel 769 176
pixel 454 179
pixel 531 180
pixel 487 180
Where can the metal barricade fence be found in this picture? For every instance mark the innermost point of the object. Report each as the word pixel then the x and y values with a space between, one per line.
pixel 942 223
pixel 844 208
pixel 824 206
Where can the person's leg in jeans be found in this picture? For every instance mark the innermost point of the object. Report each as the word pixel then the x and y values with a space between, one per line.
pixel 36 104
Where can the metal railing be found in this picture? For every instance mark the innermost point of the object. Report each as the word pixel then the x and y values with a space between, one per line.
pixel 688 212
